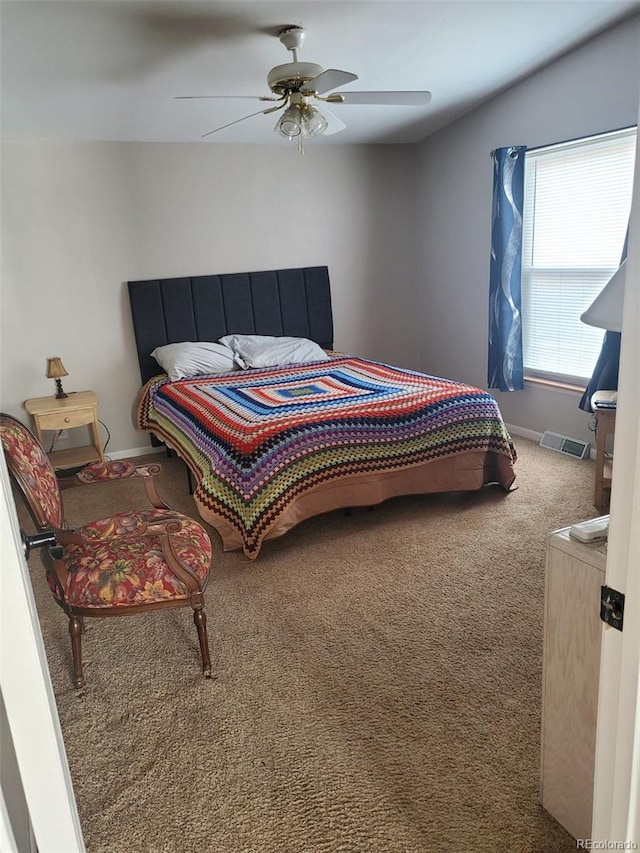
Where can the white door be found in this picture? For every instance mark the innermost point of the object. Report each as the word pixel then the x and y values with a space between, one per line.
pixel 616 814
pixel 25 682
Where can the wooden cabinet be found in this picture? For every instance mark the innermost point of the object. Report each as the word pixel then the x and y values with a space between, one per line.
pixel 78 409
pixel 571 668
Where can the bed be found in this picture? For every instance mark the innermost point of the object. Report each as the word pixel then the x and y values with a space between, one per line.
pixel 269 447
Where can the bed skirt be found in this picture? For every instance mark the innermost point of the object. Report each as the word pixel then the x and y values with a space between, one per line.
pixel 465 472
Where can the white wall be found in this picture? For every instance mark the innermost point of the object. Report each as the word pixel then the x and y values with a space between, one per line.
pixel 81 219
pixel 593 89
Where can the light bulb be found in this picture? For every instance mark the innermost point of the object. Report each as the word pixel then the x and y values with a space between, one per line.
pixel 290 123
pixel 314 123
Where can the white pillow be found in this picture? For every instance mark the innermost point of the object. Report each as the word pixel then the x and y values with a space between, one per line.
pixel 194 358
pixel 269 351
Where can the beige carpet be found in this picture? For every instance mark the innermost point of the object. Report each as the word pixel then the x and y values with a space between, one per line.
pixel 378 690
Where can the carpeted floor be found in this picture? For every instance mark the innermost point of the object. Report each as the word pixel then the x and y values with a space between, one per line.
pixel 378 689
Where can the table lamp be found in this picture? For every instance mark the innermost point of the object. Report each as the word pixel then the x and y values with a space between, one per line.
pixel 605 311
pixel 55 370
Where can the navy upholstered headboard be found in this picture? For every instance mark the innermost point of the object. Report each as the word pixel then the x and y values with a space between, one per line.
pixel 294 302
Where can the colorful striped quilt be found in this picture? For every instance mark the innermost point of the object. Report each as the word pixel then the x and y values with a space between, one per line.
pixel 257 439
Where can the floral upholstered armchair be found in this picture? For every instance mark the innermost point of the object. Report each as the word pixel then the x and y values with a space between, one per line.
pixel 130 562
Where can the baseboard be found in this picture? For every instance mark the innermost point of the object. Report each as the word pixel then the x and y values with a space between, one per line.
pixel 135 451
pixel 524 432
pixel 147 450
pixel 536 436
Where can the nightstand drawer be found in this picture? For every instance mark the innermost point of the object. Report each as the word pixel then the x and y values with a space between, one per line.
pixel 66 420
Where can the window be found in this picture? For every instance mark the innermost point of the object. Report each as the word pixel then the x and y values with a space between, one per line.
pixel 577 199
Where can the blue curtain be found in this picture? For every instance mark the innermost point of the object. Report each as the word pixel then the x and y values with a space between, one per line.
pixel 605 374
pixel 505 322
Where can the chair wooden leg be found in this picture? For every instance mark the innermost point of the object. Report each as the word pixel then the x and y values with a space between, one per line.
pixel 200 620
pixel 75 630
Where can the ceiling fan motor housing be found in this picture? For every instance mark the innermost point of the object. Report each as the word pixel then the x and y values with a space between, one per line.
pixel 292 37
pixel 291 76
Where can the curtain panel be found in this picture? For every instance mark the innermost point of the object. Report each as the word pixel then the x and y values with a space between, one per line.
pixel 505 322
pixel 605 373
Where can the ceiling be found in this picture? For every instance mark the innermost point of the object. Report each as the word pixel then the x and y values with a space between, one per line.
pixel 111 69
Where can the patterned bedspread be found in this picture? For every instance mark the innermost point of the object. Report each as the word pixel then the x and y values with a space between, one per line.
pixel 257 439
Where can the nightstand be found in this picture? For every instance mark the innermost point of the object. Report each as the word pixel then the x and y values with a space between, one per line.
pixel 605 419
pixel 78 409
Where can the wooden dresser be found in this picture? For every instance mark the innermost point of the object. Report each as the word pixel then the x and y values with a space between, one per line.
pixel 571 668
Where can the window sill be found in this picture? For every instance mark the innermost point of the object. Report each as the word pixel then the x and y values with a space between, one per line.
pixel 552 383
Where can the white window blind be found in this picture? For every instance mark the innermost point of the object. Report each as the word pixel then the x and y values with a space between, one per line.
pixel 577 199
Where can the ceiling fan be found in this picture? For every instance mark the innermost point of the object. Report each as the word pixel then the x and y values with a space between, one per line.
pixel 296 84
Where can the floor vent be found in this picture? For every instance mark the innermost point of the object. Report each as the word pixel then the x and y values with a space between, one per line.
pixel 565 444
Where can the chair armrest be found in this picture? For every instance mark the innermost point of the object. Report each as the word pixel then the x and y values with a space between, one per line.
pixel 102 472
pixel 180 569
pixel 146 528
pixel 133 534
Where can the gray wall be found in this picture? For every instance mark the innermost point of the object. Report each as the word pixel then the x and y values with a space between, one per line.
pixel 404 230
pixel 81 219
pixel 593 89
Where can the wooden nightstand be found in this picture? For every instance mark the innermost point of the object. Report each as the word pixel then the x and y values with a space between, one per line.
pixel 78 409
pixel 605 419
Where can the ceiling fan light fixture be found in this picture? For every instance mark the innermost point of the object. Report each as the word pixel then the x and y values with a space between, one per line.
pixel 289 124
pixel 301 120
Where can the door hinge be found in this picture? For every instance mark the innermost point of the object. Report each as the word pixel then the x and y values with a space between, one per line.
pixel 612 607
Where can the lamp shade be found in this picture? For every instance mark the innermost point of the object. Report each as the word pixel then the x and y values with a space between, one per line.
pixel 301 120
pixel 606 309
pixel 290 122
pixel 55 368
pixel 314 123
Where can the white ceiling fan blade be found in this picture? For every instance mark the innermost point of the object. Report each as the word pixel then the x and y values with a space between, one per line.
pixel 398 99
pixel 237 121
pixel 328 80
pixel 227 97
pixel 334 123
